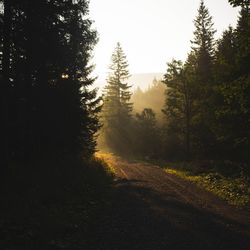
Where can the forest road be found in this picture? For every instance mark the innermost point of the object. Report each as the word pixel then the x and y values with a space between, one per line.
pixel 150 209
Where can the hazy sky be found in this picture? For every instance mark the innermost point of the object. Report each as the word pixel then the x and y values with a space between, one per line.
pixel 151 32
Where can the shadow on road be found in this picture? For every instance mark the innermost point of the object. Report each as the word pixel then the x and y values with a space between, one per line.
pixel 137 217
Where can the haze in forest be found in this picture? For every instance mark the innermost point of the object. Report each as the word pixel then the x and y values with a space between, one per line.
pixel 138 164
pixel 150 32
pixel 142 80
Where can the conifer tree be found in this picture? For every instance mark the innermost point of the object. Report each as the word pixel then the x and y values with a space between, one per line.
pixel 146 137
pixel 232 110
pixel 203 43
pixel 117 107
pixel 243 3
pixel 225 57
pixel 50 46
pixel 203 49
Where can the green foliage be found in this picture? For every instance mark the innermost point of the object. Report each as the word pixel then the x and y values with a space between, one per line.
pixel 232 90
pixel 225 57
pixel 239 2
pixel 203 44
pixel 146 136
pixel 188 106
pixel 116 112
pixel 180 107
pixel 233 118
pixel 233 189
pixel 243 41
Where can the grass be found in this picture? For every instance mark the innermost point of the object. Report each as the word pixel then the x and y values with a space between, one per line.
pixel 107 160
pixel 52 203
pixel 230 184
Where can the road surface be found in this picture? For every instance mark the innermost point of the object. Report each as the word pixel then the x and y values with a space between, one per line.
pixel 150 209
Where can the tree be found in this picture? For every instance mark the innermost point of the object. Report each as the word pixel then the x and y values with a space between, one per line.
pixel 225 57
pixel 203 50
pixel 180 101
pixel 47 63
pixel 146 137
pixel 239 2
pixel 203 44
pixel 242 36
pixel 116 106
pixel 233 88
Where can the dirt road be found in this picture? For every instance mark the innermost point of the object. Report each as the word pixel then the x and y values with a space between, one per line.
pixel 150 209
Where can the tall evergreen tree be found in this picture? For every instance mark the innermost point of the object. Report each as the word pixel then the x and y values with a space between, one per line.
pixel 203 49
pixel 203 43
pixel 242 3
pixel 46 55
pixel 232 110
pixel 225 57
pixel 116 107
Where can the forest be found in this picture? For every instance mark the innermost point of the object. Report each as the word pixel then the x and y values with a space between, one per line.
pixel 56 130
pixel 206 103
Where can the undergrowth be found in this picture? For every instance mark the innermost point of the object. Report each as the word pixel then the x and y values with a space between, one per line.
pixel 232 185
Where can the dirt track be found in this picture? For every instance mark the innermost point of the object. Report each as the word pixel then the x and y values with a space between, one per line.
pixel 150 209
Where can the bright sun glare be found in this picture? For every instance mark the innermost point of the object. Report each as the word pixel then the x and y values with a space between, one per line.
pixel 151 32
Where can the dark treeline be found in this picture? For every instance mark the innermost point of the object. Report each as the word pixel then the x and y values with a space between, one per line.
pixel 207 100
pixel 46 104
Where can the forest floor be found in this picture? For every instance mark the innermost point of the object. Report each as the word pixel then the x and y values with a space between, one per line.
pixel 142 208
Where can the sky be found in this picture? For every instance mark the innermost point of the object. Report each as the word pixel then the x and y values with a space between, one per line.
pixel 151 32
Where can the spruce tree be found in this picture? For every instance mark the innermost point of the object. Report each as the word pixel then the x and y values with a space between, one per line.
pixel 232 110
pixel 203 49
pixel 47 61
pixel 225 57
pixel 117 107
pixel 203 43
pixel 243 3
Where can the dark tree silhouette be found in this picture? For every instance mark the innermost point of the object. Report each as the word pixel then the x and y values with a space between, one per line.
pixel 47 104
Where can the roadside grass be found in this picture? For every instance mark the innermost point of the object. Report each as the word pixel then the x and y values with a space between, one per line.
pixel 225 180
pixel 52 203
pixel 108 160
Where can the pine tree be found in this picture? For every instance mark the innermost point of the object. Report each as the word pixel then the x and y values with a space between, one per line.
pixel 203 49
pixel 232 110
pixel 225 57
pixel 242 3
pixel 52 108
pixel 116 107
pixel 242 36
pixel 203 43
